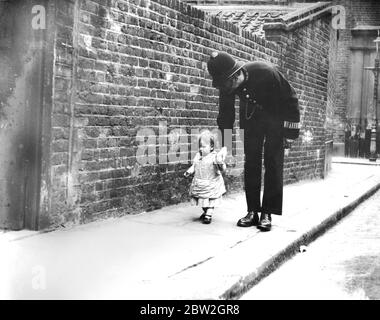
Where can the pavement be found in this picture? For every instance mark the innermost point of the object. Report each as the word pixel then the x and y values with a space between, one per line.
pixel 168 254
pixel 343 264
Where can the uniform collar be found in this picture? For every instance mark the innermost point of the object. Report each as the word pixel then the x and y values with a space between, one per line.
pixel 246 75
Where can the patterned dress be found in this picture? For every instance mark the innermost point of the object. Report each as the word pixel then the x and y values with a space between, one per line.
pixel 207 186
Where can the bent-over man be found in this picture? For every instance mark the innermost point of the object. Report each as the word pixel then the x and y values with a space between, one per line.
pixel 269 115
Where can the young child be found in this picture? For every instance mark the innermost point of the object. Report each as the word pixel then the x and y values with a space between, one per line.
pixel 207 186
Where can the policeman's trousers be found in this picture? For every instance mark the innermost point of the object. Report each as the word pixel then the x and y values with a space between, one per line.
pixel 264 132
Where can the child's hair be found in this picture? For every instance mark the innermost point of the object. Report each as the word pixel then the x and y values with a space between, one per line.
pixel 207 136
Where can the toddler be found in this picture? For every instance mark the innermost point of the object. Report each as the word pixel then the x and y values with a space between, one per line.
pixel 207 186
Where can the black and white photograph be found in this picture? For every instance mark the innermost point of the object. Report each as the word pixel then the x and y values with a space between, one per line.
pixel 214 152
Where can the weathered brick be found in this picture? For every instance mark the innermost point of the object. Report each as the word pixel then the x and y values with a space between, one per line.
pixel 60 120
pixel 60 146
pixel 60 133
pixel 59 159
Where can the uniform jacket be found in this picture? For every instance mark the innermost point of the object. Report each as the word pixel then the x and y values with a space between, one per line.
pixel 264 88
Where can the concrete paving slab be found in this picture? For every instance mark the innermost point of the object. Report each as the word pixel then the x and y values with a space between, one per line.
pixel 169 254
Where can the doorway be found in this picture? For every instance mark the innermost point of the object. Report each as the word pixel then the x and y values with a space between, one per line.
pixel 361 105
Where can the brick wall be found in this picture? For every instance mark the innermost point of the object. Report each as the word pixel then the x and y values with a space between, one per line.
pixel 305 62
pixel 310 78
pixel 363 12
pixel 138 65
pixel 332 88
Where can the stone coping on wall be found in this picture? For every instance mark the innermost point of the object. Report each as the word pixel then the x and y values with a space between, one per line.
pixel 298 18
pixel 250 18
pixel 206 17
pixel 213 8
pixel 289 17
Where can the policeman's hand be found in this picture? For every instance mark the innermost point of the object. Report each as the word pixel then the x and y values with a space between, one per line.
pixel 288 143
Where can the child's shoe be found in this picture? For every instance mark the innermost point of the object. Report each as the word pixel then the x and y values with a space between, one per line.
pixel 203 214
pixel 206 219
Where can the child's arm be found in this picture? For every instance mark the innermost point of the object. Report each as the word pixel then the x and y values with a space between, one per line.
pixel 220 159
pixel 191 170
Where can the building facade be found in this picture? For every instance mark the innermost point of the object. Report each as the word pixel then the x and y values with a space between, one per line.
pixel 355 110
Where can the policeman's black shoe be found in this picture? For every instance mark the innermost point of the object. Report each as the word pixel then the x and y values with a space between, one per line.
pixel 265 222
pixel 250 220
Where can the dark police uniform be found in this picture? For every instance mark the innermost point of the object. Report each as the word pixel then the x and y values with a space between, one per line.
pixel 269 112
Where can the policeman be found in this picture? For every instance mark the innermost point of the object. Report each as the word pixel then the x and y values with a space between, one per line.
pixel 269 114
